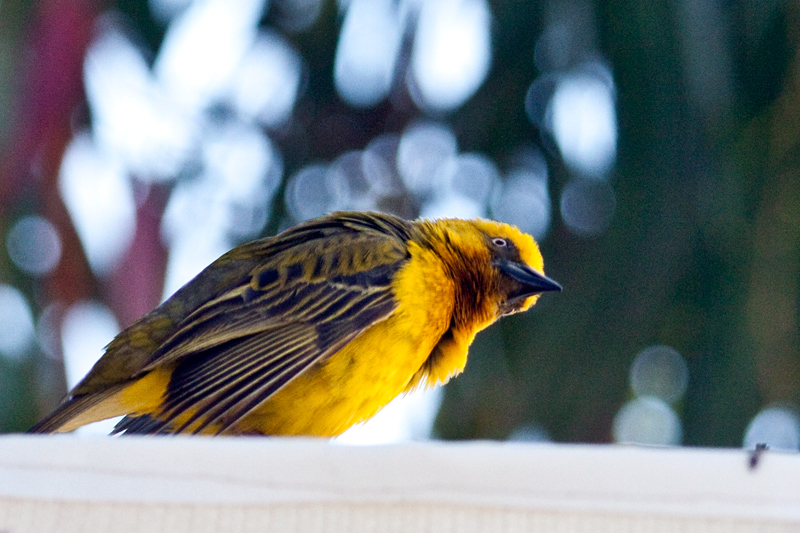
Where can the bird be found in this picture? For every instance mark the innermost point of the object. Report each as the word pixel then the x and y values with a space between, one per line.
pixel 311 331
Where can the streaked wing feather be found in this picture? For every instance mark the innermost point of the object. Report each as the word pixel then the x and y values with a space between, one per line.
pixel 200 386
pixel 210 379
pixel 231 355
pixel 203 377
pixel 229 317
pixel 249 397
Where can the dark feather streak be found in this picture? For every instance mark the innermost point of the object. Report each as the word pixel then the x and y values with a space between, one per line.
pixel 380 276
pixel 294 272
pixel 267 278
pixel 319 266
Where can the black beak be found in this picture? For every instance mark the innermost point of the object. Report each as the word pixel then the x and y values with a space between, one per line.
pixel 532 282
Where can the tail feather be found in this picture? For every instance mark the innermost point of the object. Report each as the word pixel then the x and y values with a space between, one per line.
pixel 76 411
pixel 141 425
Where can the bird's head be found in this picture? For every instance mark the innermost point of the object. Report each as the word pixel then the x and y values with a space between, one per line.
pixel 517 266
pixel 506 261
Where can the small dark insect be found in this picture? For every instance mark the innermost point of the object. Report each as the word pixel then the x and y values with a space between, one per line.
pixel 755 455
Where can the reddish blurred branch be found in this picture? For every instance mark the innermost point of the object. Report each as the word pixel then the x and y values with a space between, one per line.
pixel 50 92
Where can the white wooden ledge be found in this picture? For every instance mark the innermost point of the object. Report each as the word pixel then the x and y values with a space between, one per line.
pixel 79 484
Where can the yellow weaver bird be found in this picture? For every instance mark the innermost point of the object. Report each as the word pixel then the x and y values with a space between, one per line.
pixel 311 331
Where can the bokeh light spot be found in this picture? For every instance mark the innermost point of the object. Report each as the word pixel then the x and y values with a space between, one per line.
pixel 659 371
pixel 16 323
pixel 647 420
pixel 523 200
pixel 465 182
pixel 34 245
pixel 423 149
pixel 537 99
pixel 196 225
pixel 190 252
pixel 778 427
pixel 203 47
pixel 100 201
pixel 452 51
pixel 582 118
pixel 244 160
pixel 265 86
pixel 367 52
pixel 471 175
pixel 587 206
pixel 87 328
pixel 530 433
pixel 313 192
pixel 380 165
pixel 48 329
pixel 131 115
pixel 362 175
pixel 452 205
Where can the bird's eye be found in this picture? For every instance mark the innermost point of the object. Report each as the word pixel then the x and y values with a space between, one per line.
pixel 500 243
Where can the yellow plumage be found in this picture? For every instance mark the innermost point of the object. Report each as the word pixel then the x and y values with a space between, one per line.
pixel 311 331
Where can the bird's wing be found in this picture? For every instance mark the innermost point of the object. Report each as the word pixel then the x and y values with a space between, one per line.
pixel 235 351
